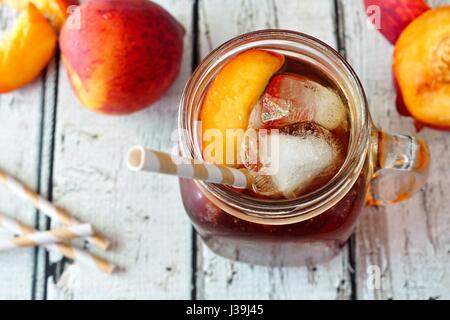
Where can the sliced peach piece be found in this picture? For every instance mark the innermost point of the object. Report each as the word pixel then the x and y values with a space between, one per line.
pixel 26 49
pixel 54 10
pixel 422 67
pixel 230 99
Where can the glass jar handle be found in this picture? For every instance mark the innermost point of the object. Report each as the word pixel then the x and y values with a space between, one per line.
pixel 401 168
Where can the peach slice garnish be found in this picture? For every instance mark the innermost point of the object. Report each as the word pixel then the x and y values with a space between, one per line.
pixel 422 67
pixel 54 10
pixel 26 49
pixel 229 101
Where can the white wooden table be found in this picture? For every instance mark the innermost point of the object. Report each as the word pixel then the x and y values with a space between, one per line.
pixel 76 158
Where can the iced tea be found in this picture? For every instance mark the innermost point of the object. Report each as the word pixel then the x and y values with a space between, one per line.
pixel 310 116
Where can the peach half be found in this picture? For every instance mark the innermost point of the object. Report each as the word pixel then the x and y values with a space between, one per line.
pixel 229 102
pixel 422 68
pixel 54 10
pixel 26 49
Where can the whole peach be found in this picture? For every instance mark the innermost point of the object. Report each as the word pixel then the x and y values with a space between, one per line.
pixel 121 56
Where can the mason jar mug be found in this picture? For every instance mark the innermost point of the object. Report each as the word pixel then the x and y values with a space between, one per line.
pixel 380 168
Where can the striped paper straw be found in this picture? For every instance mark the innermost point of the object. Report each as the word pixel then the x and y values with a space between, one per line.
pixel 84 257
pixel 47 237
pixel 46 207
pixel 14 226
pixel 66 250
pixel 141 159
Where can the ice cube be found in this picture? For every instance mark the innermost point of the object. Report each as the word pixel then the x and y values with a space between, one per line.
pixel 293 160
pixel 254 120
pixel 291 99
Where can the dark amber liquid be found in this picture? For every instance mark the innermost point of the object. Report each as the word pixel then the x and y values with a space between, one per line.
pixel 308 242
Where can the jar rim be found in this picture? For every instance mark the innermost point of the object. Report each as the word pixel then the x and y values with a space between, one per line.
pixel 283 210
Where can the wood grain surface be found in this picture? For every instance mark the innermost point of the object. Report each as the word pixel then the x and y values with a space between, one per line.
pixel 76 158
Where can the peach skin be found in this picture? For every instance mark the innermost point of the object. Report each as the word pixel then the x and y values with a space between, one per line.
pixel 32 33
pixel 395 15
pixel 54 10
pixel 124 56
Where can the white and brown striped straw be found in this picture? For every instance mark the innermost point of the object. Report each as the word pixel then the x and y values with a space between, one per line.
pixel 14 226
pixel 141 159
pixel 68 251
pixel 88 259
pixel 47 237
pixel 46 207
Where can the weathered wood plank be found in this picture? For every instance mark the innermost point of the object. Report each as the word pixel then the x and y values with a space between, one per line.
pixel 408 242
pixel 437 3
pixel 46 167
pixel 20 119
pixel 218 278
pixel 142 213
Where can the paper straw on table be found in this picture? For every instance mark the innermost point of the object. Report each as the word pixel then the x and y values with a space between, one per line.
pixel 48 208
pixel 47 237
pixel 66 250
pixel 82 256
pixel 14 226
pixel 141 159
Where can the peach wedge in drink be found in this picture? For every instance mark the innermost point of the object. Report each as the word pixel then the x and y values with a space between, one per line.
pixel 230 99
